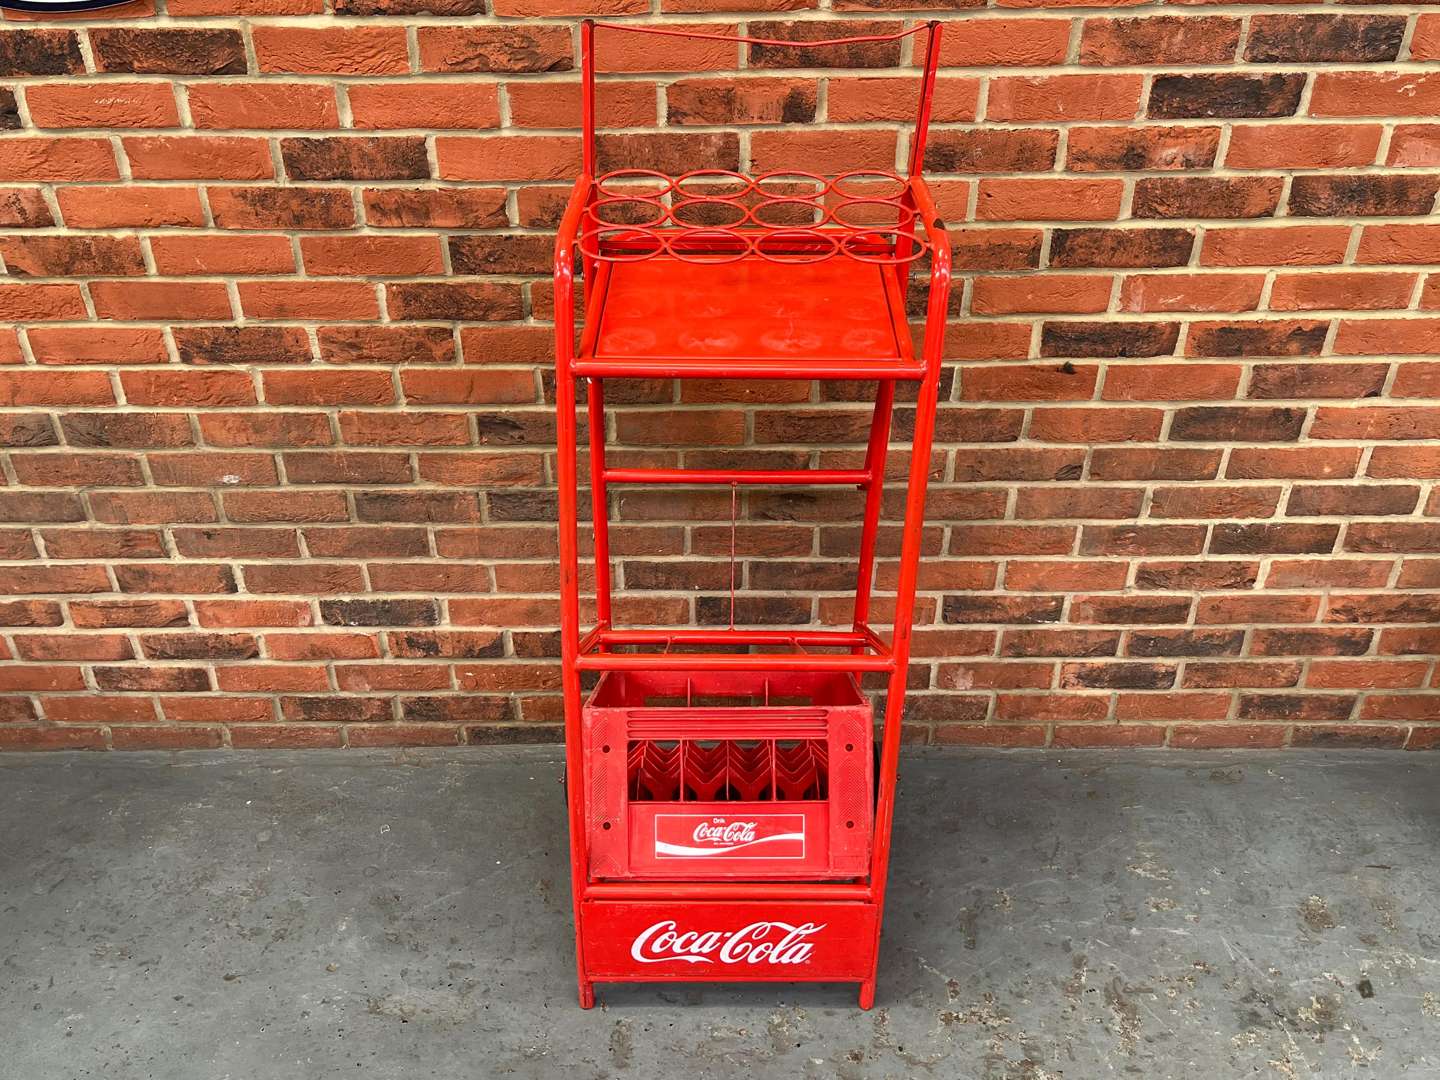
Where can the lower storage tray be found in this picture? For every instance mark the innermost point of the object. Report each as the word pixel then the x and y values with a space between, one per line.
pixel 708 776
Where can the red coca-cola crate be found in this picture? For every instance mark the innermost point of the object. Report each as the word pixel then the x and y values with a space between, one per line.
pixel 714 775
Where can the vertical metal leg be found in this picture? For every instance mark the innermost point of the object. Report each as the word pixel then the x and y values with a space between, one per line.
pixel 904 617
pixel 565 477
pixel 875 454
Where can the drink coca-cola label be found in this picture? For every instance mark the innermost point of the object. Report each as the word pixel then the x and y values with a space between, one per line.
pixel 770 942
pixel 723 836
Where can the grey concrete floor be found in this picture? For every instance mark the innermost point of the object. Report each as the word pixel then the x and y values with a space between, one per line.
pixel 242 916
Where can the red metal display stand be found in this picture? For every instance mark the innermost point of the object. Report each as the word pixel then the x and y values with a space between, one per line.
pixel 728 818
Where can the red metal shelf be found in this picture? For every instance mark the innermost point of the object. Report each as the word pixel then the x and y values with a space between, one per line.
pixel 668 318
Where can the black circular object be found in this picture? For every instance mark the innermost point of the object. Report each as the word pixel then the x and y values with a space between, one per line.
pixel 59 5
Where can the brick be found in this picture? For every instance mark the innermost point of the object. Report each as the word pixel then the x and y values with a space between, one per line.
pixel 1175 97
pixel 72 256
pixel 1304 463
pixel 480 302
pixel 1227 736
pixel 748 101
pixel 190 255
pixel 133 206
pixel 1287 538
pixel 990 150
pixel 1380 337
pixel 387 344
pixel 1368 608
pixel 677 153
pixel 241 345
pixel 1070 293
pixel 423 105
pixel 873 54
pixel 1170 382
pixel 22 430
pixel 1151 147
pixel 508 49
pixel 164 51
pixel 38 51
pixel 356 158
pixel 1025 382
pixel 1198 502
pixel 1308 380
pixel 514 157
pixel 481 255
pixel 1121 247
pixel 1035 200
pixel 1304 245
pixel 557 105
pixel 308 300
pixel 1165 39
pixel 1425 44
pixel 1076 339
pixel 281 208
pixel 1225 423
pixel 1397 243
pixel 24 208
pixel 1005 43
pixel 1318 573
pixel 1051 707
pixel 77 470
pixel 1191 292
pixel 1323 292
pixel 1362 195
pixel 351 50
pixel 1195 575
pixel 1302 708
pixel 344 387
pixel 198 157
pixel 160 300
pixel 41 303
pixel 35 387
pixel 432 208
pixel 1301 39
pixel 210 469
pixel 1152 463
pixel 1375 93
pixel 291 106
pixel 1414 145
pixel 1256 338
pixel 1302 146
pixel 1206 197
pixel 1367 674
pixel 1257 609
pixel 102 105
pixel 1064 97
pixel 64 159
pixel 376 256
pixel 1252 674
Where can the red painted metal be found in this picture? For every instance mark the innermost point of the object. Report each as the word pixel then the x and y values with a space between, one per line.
pixel 726 818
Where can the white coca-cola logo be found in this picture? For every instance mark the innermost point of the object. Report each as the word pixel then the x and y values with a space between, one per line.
pixel 729 832
pixel 759 943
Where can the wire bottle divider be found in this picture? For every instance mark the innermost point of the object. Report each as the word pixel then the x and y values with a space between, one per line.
pixel 728 819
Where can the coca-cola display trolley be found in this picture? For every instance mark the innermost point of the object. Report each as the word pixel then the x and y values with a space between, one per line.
pixel 729 816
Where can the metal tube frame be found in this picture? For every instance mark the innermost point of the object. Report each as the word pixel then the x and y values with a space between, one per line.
pixel 866 650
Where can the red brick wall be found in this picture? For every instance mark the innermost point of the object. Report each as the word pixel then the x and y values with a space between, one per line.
pixel 275 377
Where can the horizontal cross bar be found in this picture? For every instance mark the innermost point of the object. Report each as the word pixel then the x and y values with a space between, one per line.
pixel 858 477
